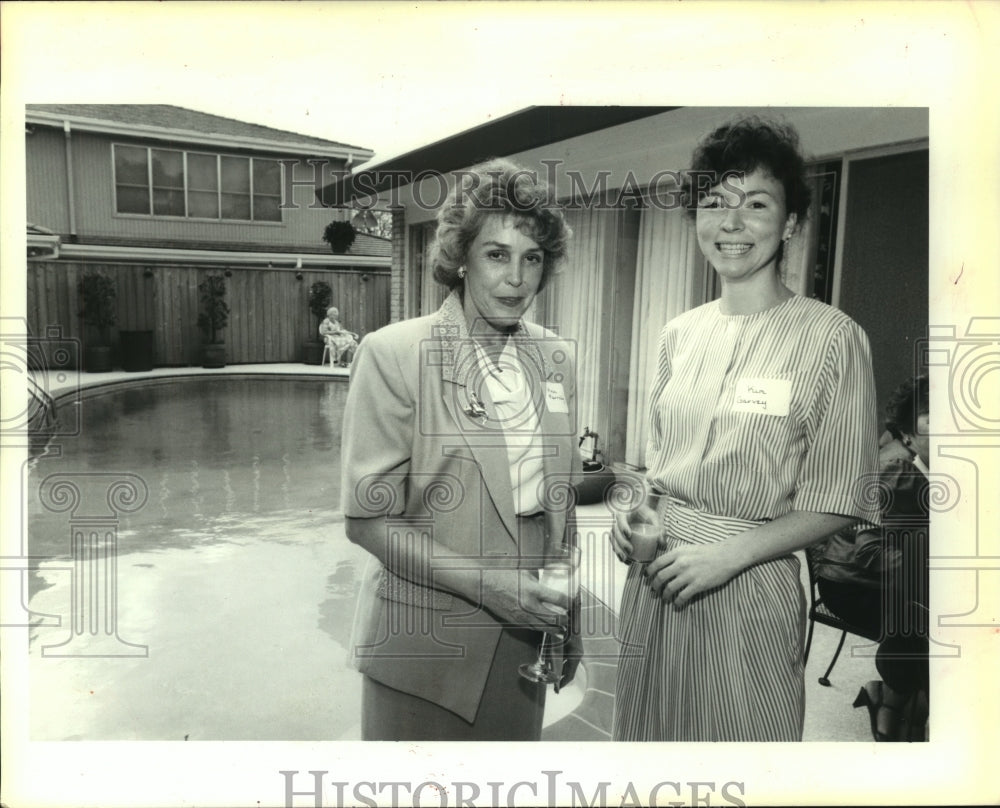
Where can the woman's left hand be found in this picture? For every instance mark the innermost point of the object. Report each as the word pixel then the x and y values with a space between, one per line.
pixel 686 571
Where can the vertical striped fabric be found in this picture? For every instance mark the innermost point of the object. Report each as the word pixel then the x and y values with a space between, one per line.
pixel 728 667
pixel 758 466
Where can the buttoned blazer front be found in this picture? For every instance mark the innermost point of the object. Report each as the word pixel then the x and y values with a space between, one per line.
pixel 422 447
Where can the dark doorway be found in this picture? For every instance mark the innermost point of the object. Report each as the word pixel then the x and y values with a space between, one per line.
pixel 884 271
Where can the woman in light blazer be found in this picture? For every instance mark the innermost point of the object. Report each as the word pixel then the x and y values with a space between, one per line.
pixel 459 459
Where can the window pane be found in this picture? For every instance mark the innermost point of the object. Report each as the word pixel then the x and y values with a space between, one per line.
pixel 266 208
pixel 235 206
pixel 130 165
pixel 235 174
pixel 203 204
pixel 267 177
pixel 132 200
pixel 168 169
pixel 202 172
pixel 168 203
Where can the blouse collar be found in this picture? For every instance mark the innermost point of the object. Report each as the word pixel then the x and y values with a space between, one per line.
pixel 461 348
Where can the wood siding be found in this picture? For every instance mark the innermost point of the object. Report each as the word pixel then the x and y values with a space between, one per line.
pixel 269 315
pixel 94 197
pixel 45 179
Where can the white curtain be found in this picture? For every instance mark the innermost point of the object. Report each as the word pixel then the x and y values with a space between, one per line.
pixel 669 281
pixel 573 302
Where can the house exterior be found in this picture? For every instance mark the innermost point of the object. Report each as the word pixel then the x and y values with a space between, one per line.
pixel 634 262
pixel 158 197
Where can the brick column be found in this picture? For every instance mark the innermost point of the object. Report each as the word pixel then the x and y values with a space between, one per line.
pixel 397 289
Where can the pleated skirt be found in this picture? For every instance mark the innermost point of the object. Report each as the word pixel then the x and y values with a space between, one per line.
pixel 726 667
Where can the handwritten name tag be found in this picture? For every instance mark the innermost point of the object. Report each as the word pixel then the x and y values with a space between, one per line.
pixel 555 398
pixel 763 396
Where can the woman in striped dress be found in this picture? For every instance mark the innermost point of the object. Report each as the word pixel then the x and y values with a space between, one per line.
pixel 763 427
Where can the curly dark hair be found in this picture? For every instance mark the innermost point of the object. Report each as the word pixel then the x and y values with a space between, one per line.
pixel 497 187
pixel 743 146
pixel 906 404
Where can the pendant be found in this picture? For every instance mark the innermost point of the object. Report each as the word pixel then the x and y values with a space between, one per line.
pixel 475 409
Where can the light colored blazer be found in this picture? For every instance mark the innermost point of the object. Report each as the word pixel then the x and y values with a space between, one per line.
pixel 417 449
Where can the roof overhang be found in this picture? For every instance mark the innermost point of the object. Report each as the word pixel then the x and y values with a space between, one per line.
pixel 520 131
pixel 82 124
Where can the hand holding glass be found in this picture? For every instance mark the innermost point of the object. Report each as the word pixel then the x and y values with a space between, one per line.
pixel 561 573
pixel 645 525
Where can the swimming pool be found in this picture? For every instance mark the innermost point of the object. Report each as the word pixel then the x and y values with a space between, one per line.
pixel 235 584
pixel 232 582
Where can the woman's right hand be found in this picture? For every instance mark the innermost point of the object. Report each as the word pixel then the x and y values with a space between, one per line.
pixel 517 598
pixel 620 534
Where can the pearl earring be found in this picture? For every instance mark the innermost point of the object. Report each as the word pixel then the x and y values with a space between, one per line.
pixel 461 272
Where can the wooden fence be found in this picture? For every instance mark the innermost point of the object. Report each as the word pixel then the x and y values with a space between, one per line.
pixel 269 317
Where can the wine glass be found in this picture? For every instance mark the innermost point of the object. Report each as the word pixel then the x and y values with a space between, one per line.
pixel 561 573
pixel 542 669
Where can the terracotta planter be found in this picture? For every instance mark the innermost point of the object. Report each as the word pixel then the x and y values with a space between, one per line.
pixel 137 350
pixel 97 359
pixel 312 352
pixel 213 356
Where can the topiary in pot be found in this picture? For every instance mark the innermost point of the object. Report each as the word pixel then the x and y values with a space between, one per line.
pixel 213 319
pixel 99 310
pixel 339 235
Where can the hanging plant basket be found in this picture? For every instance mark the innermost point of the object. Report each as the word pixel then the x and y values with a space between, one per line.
pixel 340 236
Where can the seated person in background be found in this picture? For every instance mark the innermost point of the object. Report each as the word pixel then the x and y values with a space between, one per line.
pixel 877 581
pixel 341 342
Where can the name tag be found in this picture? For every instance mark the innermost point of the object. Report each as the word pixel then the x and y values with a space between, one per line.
pixel 763 396
pixel 555 398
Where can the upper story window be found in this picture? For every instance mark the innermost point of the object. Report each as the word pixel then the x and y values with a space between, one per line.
pixel 196 185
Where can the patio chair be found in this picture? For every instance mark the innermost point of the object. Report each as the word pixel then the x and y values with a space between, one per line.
pixel 819 613
pixel 337 346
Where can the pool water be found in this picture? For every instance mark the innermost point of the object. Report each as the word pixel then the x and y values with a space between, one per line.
pixel 234 586
pixel 209 451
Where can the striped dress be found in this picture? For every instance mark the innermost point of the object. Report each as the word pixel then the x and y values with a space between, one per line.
pixel 752 416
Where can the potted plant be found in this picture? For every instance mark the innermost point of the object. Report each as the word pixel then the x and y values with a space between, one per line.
pixel 339 235
pixel 98 308
pixel 320 299
pixel 213 319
